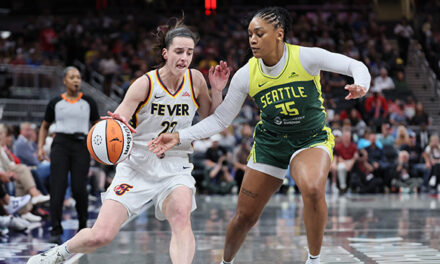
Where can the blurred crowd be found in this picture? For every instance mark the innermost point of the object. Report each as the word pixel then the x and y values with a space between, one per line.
pixel 383 142
pixel 429 32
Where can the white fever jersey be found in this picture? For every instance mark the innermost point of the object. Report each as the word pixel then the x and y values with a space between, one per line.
pixel 163 111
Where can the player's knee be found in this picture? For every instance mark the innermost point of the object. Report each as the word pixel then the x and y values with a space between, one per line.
pixel 180 218
pixel 101 238
pixel 245 219
pixel 312 192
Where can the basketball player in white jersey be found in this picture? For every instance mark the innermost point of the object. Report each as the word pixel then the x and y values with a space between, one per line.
pixel 163 100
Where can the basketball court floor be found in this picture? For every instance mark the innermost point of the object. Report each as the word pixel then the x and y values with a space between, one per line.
pixel 381 229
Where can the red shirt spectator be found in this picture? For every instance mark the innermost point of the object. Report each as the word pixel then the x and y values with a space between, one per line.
pixel 376 105
pixel 48 38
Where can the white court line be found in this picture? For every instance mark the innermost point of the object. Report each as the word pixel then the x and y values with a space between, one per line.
pixel 374 240
pixel 77 256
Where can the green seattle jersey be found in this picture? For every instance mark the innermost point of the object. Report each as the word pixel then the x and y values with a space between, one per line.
pixel 290 102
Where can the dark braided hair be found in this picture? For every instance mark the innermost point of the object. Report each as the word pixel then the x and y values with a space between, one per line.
pixel 166 33
pixel 277 16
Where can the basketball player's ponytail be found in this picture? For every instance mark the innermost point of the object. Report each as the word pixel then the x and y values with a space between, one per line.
pixel 166 33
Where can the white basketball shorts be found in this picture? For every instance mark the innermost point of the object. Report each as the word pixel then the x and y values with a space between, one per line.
pixel 144 178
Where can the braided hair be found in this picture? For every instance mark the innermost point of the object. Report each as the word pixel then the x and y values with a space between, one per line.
pixel 277 16
pixel 166 33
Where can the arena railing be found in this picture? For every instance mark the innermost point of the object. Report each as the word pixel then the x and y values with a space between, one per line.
pixel 97 80
pixel 429 78
pixel 28 89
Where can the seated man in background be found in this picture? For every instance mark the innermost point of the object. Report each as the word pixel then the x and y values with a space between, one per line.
pixel 346 155
pixel 25 148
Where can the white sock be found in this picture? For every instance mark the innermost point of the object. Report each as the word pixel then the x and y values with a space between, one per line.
pixel 225 262
pixel 64 251
pixel 313 259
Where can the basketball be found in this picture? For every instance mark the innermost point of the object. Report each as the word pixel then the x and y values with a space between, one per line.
pixel 109 141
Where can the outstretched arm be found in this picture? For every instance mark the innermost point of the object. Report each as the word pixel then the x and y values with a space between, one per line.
pixel 222 117
pixel 218 78
pixel 315 60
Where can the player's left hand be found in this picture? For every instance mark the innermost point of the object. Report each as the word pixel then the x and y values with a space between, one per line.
pixel 219 76
pixel 354 91
pixel 163 143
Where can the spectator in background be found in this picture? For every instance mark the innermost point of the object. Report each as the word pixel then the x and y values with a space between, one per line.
pixel 363 179
pixel 25 183
pixel 10 204
pixel 376 107
pixel 432 160
pixel 383 82
pixel 109 68
pixel 25 149
pixel 420 116
pixel 385 137
pixel 227 139
pixel 202 145
pixel 48 39
pixel 356 121
pixel 397 114
pixel 403 32
pixel 239 158
pixel 218 179
pixel 346 155
pixel 422 137
pixel 402 87
pixel 403 179
pixel 410 108
pixel 335 82
pixel 416 161
pixel 215 152
pixel 402 138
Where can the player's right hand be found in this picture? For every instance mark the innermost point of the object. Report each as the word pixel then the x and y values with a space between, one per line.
pixel 119 118
pixel 163 143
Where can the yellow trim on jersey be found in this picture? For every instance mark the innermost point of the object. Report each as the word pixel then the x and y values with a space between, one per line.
pixel 159 81
pixel 193 94
pixel 329 143
pixel 253 153
pixel 293 71
pixel 144 103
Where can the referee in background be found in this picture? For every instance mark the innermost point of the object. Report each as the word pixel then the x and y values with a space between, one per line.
pixel 72 112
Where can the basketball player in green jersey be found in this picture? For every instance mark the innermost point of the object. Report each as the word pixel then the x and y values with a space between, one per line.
pixel 284 81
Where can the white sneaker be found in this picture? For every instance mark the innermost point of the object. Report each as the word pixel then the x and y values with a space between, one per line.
pixel 31 217
pixel 22 221
pixel 16 203
pixel 40 199
pixel 52 256
pixel 13 223
pixel 4 220
pixel 313 261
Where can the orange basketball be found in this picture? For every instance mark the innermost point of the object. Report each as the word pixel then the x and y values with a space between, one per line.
pixel 109 141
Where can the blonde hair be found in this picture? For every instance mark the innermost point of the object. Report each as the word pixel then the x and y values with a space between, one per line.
pixel 401 131
pixel 431 139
